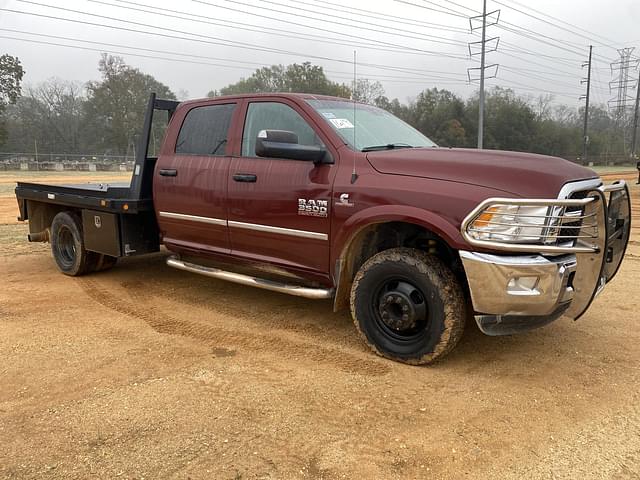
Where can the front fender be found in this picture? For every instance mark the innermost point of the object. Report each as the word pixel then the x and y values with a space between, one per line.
pixel 447 229
pixel 441 226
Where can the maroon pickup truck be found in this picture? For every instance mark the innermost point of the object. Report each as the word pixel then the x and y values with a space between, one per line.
pixel 324 198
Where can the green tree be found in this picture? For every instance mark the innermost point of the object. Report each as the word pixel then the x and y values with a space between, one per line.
pixel 298 78
pixel 394 106
pixel 51 114
pixel 11 74
pixel 440 115
pixel 509 120
pixel 367 91
pixel 116 104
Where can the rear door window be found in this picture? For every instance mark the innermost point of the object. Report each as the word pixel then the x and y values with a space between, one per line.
pixel 204 130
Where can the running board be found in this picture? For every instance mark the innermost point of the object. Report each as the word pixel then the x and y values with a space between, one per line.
pixel 296 290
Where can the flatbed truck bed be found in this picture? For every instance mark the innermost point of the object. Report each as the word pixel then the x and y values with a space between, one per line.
pixel 118 218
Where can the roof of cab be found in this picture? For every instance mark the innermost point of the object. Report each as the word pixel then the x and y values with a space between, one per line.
pixel 304 96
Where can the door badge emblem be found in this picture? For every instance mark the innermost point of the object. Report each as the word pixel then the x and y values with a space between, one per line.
pixel 313 208
pixel 344 201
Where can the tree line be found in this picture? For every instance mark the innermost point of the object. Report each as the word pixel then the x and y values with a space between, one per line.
pixel 105 116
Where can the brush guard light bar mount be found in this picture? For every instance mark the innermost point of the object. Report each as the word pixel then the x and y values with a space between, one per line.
pixel 520 286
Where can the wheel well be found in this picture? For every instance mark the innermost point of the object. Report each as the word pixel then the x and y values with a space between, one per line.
pixel 383 236
pixel 40 215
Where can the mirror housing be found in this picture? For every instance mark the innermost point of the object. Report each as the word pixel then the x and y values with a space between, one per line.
pixel 284 144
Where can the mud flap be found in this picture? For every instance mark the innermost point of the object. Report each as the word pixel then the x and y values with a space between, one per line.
pixel 618 230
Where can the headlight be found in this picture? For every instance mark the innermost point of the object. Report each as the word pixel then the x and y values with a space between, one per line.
pixel 513 224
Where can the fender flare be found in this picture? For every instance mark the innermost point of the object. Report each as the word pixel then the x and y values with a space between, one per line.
pixel 441 226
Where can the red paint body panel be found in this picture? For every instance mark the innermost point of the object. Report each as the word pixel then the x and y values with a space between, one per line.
pixel 432 187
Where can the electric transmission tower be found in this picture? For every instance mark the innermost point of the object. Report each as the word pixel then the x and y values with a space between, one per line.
pixel 480 48
pixel 623 82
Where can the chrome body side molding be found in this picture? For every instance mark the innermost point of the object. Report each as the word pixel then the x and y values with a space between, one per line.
pixel 279 230
pixel 247 226
pixel 193 218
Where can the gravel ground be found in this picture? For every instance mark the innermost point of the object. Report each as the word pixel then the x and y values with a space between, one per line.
pixel 148 372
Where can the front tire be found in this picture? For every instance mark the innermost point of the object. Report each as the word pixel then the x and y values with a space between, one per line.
pixel 408 306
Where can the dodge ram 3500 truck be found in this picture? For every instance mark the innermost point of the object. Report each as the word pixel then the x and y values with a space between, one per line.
pixel 324 198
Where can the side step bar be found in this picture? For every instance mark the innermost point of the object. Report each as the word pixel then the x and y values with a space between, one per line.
pixel 296 290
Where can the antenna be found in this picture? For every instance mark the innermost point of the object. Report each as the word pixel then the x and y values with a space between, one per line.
pixel 354 175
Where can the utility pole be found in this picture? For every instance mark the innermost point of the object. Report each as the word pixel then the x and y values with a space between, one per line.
pixel 585 135
pixel 482 55
pixel 635 120
pixel 483 66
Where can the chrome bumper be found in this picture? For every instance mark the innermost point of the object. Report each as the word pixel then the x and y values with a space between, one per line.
pixel 518 284
pixel 518 292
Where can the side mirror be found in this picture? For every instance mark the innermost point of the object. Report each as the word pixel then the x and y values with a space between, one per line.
pixel 284 144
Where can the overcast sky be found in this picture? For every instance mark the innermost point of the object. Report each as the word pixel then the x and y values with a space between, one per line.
pixel 406 47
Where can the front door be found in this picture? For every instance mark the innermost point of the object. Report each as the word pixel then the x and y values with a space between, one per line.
pixel 278 208
pixel 190 184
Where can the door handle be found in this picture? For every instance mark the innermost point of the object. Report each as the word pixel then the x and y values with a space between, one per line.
pixel 245 177
pixel 168 172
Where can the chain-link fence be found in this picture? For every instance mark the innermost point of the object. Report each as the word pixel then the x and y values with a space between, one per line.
pixel 606 160
pixel 113 163
pixel 66 162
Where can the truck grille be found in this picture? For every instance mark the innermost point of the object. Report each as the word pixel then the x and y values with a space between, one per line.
pixel 573 224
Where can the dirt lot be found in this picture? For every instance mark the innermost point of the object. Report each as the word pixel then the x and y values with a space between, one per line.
pixel 148 372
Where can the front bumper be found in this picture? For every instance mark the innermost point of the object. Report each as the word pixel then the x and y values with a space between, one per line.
pixel 516 292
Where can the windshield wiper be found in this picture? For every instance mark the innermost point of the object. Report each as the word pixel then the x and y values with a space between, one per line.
pixel 388 146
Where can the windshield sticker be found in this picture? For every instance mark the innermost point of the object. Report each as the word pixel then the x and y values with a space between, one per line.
pixel 341 123
pixel 328 114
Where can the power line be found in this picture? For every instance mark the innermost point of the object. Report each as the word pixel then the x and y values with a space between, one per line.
pixel 359 25
pixel 385 16
pixel 465 15
pixel 202 39
pixel 245 26
pixel 527 33
pixel 183 54
pixel 195 62
pixel 557 19
pixel 434 9
pixel 229 42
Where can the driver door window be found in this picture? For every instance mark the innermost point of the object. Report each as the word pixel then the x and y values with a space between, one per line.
pixel 274 116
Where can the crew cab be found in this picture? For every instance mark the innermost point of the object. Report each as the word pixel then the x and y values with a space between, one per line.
pixel 326 198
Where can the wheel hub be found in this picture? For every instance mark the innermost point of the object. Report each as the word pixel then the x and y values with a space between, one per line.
pixel 401 306
pixel 397 312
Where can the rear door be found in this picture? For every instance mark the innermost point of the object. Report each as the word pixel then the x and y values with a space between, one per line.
pixel 279 209
pixel 190 184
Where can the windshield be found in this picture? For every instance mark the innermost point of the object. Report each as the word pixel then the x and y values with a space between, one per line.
pixel 375 129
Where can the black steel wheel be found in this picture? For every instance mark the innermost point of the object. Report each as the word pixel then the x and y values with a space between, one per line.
pixel 399 308
pixel 408 306
pixel 67 245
